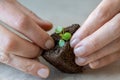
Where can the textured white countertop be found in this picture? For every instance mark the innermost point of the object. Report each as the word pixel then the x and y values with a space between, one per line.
pixel 62 12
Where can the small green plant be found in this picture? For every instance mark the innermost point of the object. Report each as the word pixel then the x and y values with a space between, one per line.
pixel 65 36
pixel 61 42
pixel 59 29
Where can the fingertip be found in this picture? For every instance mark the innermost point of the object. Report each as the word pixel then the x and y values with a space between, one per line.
pixel 75 39
pixel 77 62
pixel 74 42
pixel 94 65
pixel 47 25
pixel 91 66
pixel 43 72
pixel 80 61
pixel 49 43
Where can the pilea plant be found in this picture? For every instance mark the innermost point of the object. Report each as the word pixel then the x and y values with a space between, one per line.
pixel 65 36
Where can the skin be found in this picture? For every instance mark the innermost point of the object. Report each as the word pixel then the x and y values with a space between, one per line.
pixel 97 42
pixel 16 51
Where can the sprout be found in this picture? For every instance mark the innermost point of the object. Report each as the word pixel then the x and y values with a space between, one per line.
pixel 59 29
pixel 61 43
pixel 64 36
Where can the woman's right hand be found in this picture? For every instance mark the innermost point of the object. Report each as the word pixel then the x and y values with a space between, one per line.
pixel 16 51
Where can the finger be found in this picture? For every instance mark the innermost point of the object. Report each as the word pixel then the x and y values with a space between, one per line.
pixel 105 51
pixel 24 24
pixel 26 65
pixel 105 61
pixel 105 35
pixel 103 13
pixel 46 25
pixel 13 44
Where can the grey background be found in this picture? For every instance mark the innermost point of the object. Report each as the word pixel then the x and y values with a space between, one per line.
pixel 62 12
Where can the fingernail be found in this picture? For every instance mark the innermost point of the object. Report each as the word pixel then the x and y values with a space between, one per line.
pixel 79 51
pixel 49 44
pixel 94 65
pixel 43 73
pixel 81 61
pixel 74 42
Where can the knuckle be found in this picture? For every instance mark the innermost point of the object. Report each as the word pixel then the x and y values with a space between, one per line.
pixel 98 55
pixel 37 52
pixel 115 26
pixel 94 57
pixel 92 43
pixel 102 14
pixel 4 58
pixel 9 43
pixel 29 68
pixel 21 22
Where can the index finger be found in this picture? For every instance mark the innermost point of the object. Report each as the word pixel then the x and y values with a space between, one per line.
pixel 46 25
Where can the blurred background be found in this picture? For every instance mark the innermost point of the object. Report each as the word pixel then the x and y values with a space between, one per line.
pixel 64 13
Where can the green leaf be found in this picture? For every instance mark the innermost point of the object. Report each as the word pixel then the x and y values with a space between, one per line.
pixel 66 36
pixel 59 29
pixel 61 43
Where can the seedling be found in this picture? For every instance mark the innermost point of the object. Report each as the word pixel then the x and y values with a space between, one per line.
pixel 59 29
pixel 65 36
pixel 61 42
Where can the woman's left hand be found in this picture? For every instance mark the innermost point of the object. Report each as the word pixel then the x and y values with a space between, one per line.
pixel 97 42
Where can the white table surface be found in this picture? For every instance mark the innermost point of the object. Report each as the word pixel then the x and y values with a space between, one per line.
pixel 62 12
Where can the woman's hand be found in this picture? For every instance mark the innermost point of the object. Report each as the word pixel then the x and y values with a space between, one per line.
pixel 97 42
pixel 16 51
